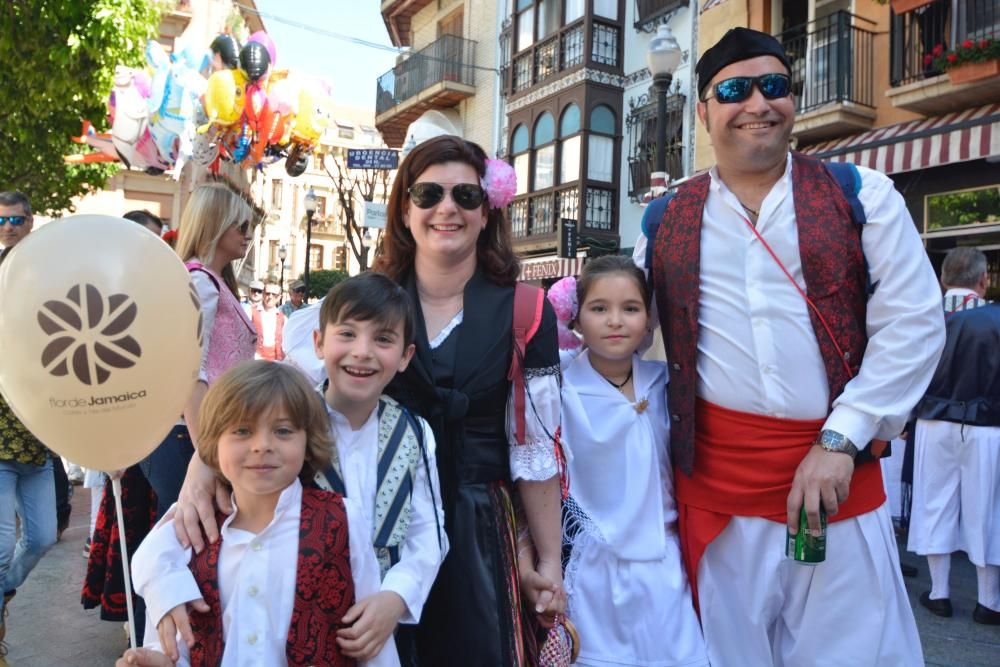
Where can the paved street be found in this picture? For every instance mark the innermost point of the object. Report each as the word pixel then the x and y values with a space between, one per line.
pixel 48 626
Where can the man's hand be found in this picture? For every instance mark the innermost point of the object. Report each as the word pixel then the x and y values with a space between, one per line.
pixel 177 620
pixel 821 477
pixel 143 657
pixel 372 621
pixel 195 508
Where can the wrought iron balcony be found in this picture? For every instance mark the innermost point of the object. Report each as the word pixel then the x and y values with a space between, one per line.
pixel 534 217
pixel 435 77
pixel 641 127
pixel 833 75
pixel 940 25
pixel 648 12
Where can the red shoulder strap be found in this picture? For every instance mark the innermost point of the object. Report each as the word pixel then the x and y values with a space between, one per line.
pixel 528 303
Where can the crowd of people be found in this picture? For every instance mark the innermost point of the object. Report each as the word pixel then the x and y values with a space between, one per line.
pixel 487 476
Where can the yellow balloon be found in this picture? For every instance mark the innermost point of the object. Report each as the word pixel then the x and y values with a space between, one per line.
pixel 224 96
pixel 313 117
pixel 99 324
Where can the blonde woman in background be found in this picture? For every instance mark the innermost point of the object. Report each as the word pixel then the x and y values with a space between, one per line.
pixel 215 230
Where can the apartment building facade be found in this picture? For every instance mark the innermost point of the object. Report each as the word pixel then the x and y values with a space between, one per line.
pixel 446 80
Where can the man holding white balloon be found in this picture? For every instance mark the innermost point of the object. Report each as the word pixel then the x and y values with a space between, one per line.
pixel 26 481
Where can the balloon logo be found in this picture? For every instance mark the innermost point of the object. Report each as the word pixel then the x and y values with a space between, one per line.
pixel 89 366
pixel 89 333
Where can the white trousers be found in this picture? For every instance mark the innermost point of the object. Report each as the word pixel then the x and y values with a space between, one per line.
pixel 892 476
pixel 759 608
pixel 956 491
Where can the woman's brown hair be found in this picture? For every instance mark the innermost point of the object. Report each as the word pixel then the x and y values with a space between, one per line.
pixel 494 252
pixel 254 388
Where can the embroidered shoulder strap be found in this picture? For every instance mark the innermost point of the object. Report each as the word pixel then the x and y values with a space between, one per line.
pixel 528 303
pixel 398 456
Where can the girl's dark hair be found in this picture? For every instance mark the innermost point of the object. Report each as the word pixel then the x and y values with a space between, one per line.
pixel 369 297
pixel 608 264
pixel 494 252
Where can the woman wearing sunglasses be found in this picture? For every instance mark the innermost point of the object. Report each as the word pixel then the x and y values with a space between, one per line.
pixel 214 232
pixel 448 242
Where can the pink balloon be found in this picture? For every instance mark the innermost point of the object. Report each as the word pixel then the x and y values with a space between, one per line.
pixel 262 37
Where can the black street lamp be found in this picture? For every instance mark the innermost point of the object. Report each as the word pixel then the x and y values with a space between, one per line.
pixel 282 256
pixel 663 57
pixel 310 211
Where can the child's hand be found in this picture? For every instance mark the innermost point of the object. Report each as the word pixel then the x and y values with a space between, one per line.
pixel 143 657
pixel 177 620
pixel 372 622
pixel 542 586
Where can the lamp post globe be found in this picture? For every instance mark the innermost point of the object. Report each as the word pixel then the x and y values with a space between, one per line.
pixel 310 203
pixel 662 58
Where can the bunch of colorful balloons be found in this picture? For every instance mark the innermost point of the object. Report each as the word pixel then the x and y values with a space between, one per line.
pixel 224 103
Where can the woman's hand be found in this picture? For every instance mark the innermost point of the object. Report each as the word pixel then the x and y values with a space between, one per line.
pixel 195 508
pixel 541 585
pixel 143 657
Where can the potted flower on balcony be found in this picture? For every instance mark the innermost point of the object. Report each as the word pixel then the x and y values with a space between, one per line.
pixel 971 61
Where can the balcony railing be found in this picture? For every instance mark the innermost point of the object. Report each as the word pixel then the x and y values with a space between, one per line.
pixel 547 58
pixel 538 215
pixel 915 34
pixel 648 11
pixel 832 61
pixel 449 58
pixel 641 127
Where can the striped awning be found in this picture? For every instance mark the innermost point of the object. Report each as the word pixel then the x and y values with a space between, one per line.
pixel 550 266
pixel 918 144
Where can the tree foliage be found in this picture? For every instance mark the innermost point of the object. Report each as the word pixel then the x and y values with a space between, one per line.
pixel 320 282
pixel 58 61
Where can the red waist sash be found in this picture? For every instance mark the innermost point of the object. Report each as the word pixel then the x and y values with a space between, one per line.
pixel 744 466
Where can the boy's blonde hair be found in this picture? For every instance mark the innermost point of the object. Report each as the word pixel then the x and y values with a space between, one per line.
pixel 210 211
pixel 254 388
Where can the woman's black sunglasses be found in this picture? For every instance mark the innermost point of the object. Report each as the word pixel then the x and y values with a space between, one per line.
pixel 467 195
pixel 738 88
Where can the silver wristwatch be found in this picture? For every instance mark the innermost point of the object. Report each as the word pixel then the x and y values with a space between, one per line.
pixel 832 441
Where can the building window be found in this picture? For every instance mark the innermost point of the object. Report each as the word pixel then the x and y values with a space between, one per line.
pixel 273 261
pixel 601 144
pixel 315 257
pixel 962 209
pixel 641 123
pixel 345 129
pixel 569 144
pixel 340 258
pixel 320 207
pixel 545 151
pixel 548 17
pixel 519 145
pixel 574 10
pixel 525 24
pixel 606 8
pixel 276 194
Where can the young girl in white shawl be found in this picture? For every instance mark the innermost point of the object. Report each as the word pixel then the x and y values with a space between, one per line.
pixel 628 593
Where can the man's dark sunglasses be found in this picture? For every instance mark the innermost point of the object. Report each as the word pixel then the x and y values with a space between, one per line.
pixel 256 291
pixel 14 220
pixel 467 195
pixel 299 290
pixel 738 88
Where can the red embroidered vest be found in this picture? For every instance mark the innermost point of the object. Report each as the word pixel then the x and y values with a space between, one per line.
pixel 833 266
pixel 324 589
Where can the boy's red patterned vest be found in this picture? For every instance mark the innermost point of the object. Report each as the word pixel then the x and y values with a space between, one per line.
pixel 833 265
pixel 324 588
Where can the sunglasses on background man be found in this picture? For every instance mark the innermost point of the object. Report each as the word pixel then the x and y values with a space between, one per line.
pixel 739 88
pixel 14 220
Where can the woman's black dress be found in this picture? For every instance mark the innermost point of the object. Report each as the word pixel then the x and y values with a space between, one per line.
pixel 473 615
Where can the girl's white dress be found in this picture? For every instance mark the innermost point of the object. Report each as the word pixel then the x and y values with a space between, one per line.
pixel 628 593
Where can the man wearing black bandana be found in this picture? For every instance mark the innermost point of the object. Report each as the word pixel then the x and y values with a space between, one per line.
pixel 801 322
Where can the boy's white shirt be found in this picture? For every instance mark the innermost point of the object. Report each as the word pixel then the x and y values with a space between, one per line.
pixel 420 555
pixel 256 582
